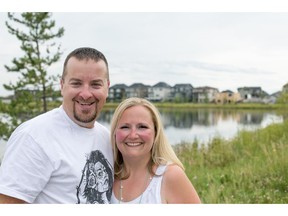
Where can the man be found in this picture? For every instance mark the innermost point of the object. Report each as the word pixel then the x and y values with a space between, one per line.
pixel 64 155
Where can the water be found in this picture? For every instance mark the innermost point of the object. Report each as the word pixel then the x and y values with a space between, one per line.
pixel 202 124
pixel 205 124
pixel 224 128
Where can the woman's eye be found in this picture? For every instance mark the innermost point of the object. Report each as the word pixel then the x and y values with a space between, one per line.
pixel 124 127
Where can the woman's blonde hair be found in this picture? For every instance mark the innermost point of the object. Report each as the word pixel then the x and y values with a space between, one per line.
pixel 161 153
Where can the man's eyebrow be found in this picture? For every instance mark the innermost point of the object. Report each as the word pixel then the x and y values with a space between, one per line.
pixel 74 79
pixel 98 80
pixel 79 80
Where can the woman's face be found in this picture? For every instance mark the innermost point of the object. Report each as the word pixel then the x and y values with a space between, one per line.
pixel 135 132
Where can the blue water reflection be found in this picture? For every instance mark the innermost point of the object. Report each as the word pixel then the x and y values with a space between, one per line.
pixel 205 124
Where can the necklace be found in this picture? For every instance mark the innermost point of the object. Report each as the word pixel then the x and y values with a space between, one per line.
pixel 148 179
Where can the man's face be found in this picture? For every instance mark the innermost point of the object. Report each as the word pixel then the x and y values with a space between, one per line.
pixel 84 89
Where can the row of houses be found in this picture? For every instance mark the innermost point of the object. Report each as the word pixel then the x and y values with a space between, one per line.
pixel 158 92
pixel 162 92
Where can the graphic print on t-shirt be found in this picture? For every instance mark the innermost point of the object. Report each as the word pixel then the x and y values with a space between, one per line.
pixel 97 179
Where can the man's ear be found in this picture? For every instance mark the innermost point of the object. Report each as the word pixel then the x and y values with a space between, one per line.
pixel 61 85
pixel 108 84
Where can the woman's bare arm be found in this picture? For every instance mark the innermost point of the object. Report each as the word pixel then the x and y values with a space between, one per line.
pixel 177 188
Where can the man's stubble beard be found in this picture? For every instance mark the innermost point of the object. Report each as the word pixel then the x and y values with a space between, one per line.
pixel 85 119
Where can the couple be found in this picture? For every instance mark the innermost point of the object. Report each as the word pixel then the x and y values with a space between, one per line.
pixel 65 155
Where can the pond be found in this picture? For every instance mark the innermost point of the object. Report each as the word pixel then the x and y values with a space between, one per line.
pixel 205 124
pixel 202 124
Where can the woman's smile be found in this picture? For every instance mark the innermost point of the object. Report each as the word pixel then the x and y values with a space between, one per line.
pixel 133 144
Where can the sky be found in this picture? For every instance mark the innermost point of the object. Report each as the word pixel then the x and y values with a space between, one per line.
pixel 224 50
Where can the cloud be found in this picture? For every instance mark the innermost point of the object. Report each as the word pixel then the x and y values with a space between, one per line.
pixel 224 50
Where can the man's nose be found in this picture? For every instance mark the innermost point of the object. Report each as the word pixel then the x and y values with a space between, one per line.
pixel 86 92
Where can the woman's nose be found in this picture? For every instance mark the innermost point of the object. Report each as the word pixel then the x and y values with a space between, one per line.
pixel 133 132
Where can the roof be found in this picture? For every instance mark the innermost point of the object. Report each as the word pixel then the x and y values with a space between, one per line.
pixel 162 85
pixel 119 86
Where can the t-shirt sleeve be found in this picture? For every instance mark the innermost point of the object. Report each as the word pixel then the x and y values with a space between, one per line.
pixel 25 169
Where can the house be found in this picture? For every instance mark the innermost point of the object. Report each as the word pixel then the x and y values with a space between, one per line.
pixel 159 92
pixel 227 97
pixel 7 99
pixel 204 94
pixel 182 92
pixel 285 89
pixel 35 92
pixel 271 99
pixel 251 94
pixel 137 90
pixel 117 92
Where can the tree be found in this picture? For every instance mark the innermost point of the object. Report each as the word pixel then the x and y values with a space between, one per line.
pixel 37 36
pixel 283 98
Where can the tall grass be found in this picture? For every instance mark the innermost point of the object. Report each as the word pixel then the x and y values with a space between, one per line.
pixel 251 168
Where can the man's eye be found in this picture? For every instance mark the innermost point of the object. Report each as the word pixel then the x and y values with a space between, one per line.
pixel 76 84
pixel 96 85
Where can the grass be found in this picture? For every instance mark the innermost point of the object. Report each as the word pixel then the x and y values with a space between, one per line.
pixel 251 168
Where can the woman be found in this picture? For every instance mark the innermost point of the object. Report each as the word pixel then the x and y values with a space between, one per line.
pixel 146 168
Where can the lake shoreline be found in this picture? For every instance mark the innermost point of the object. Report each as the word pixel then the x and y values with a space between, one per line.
pixel 251 168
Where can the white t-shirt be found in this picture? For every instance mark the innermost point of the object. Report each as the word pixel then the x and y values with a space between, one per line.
pixel 50 159
pixel 152 194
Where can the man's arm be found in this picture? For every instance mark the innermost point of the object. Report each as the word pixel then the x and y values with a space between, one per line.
pixel 4 199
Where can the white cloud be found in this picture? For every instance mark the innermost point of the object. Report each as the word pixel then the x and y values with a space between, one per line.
pixel 222 50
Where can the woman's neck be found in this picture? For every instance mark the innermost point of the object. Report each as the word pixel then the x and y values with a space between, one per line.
pixel 135 163
pixel 136 166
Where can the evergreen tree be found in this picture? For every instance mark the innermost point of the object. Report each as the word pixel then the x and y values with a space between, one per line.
pixel 37 34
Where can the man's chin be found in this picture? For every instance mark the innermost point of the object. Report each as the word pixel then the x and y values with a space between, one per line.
pixel 85 119
pixel 85 116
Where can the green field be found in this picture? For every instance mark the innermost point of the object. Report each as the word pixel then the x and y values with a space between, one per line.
pixel 251 168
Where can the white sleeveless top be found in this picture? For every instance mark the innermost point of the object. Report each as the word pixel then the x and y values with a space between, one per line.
pixel 152 194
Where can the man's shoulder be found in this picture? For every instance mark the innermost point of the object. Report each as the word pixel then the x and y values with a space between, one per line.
pixel 41 121
pixel 101 127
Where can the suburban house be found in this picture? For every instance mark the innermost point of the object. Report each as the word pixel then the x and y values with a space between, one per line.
pixel 204 94
pixel 35 93
pixel 7 99
pixel 159 92
pixel 271 99
pixel 117 92
pixel 228 97
pixel 182 93
pixel 285 89
pixel 137 90
pixel 252 94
